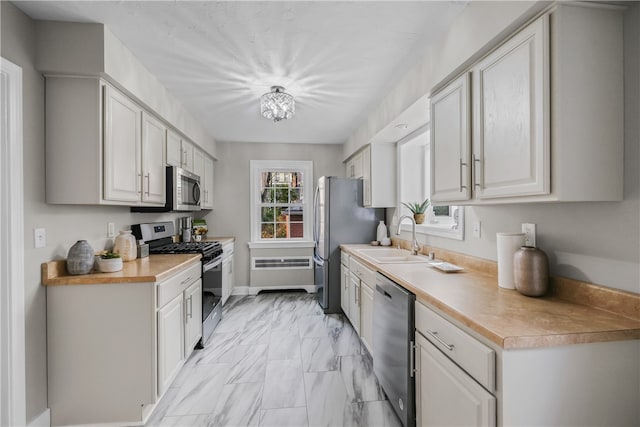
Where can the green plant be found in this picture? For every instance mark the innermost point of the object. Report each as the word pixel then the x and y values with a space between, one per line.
pixel 109 255
pixel 416 207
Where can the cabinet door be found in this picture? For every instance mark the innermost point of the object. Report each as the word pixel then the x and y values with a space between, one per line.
pixel 344 289
pixel 366 176
pixel 174 149
pixel 122 142
pixel 193 316
pixel 170 341
pixel 207 182
pixel 366 315
pixel 357 166
pixel 187 153
pixel 445 394
pixel 153 160
pixel 451 142
pixel 354 301
pixel 511 117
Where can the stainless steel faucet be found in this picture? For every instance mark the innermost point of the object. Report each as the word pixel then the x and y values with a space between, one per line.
pixel 415 247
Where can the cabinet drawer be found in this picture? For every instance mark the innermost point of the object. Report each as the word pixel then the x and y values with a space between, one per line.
pixel 470 354
pixel 227 249
pixel 364 273
pixel 174 285
pixel 344 258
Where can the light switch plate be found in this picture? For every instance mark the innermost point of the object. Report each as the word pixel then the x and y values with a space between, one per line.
pixel 39 238
pixel 477 225
pixel 529 231
pixel 111 229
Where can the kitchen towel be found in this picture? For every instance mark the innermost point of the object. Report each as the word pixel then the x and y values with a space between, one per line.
pixel 508 244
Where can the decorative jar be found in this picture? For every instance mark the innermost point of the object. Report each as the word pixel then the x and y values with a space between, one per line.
pixel 80 258
pixel 531 271
pixel 125 245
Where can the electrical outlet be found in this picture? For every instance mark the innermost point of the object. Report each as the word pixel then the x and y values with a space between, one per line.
pixel 529 231
pixel 111 229
pixel 39 238
pixel 476 229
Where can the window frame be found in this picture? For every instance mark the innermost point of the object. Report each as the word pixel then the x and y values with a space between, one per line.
pixel 427 228
pixel 257 167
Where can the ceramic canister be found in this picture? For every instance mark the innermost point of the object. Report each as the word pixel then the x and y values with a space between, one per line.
pixel 125 245
pixel 80 258
pixel 531 271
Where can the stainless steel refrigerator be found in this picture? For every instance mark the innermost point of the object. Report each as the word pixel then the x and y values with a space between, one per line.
pixel 339 218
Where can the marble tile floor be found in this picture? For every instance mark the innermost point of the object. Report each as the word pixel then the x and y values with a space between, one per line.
pixel 276 360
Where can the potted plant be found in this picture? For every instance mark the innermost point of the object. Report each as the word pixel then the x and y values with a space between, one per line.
pixel 418 209
pixel 109 262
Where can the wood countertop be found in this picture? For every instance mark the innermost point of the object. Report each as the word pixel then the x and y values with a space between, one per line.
pixel 154 268
pixel 506 317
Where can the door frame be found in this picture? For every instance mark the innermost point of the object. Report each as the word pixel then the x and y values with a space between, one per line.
pixel 12 318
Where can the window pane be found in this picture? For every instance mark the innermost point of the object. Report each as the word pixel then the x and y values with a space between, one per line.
pixel 296 229
pixel 282 194
pixel 266 179
pixel 296 195
pixel 268 214
pixel 296 179
pixel 266 195
pixel 281 230
pixel 267 231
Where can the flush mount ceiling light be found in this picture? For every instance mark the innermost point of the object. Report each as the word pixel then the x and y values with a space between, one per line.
pixel 277 104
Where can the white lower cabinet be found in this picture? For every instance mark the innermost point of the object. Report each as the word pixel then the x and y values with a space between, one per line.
pixel 227 271
pixel 366 315
pixel 354 301
pixel 192 316
pixel 170 342
pixel 445 394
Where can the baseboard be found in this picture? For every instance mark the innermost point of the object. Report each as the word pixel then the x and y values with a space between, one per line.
pixel 42 420
pixel 240 290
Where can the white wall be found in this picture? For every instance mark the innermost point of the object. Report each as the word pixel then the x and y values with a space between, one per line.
pixel 231 216
pixel 594 242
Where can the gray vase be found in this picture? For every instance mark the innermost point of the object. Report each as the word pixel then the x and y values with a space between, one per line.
pixel 531 271
pixel 80 258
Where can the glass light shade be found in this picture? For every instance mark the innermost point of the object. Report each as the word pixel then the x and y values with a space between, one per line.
pixel 277 105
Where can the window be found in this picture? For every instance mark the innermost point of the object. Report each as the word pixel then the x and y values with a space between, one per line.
pixel 414 186
pixel 280 201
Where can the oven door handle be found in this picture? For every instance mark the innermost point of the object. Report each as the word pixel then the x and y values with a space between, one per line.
pixel 211 265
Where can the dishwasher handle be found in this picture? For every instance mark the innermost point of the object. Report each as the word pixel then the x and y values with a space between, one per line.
pixel 383 292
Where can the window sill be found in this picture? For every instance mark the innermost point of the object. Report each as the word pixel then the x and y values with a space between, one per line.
pixel 282 244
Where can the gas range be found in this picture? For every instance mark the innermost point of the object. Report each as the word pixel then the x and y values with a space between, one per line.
pixel 209 250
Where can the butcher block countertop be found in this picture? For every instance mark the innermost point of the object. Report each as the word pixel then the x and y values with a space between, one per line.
pixel 578 313
pixel 153 268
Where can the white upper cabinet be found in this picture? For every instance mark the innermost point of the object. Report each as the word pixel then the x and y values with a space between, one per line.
pixel 547 109
pixel 375 164
pixel 153 159
pixel 451 142
pixel 511 117
pixel 208 181
pixel 187 156
pixel 102 148
pixel 174 149
pixel 122 146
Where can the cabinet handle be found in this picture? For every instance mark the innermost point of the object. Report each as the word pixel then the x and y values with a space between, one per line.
pixel 412 358
pixel 190 310
pixel 476 167
pixel 461 165
pixel 187 280
pixel 357 294
pixel 138 183
pixel 434 334
pixel 148 178
pixel 230 266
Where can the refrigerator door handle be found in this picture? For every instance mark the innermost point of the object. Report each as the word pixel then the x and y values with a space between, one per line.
pixel 315 216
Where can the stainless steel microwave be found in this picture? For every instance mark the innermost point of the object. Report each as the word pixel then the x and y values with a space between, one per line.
pixel 182 192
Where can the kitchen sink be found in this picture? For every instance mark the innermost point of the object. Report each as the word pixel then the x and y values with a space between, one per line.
pixel 393 256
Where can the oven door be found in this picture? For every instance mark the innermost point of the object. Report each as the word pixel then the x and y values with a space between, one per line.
pixel 211 298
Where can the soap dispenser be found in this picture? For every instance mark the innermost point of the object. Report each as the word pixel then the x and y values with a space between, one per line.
pixel 382 232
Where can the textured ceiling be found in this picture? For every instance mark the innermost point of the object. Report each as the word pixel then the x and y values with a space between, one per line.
pixel 338 59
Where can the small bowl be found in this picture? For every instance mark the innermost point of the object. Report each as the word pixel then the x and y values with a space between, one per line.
pixel 109 265
pixel 374 243
pixel 386 242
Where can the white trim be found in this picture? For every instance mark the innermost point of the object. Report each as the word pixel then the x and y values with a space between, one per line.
pixel 12 312
pixel 256 167
pixel 282 260
pixel 240 290
pixel 285 244
pixel 42 420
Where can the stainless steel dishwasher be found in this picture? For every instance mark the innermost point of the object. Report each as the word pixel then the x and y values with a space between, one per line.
pixel 393 342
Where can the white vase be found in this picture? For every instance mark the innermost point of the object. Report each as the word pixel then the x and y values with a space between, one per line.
pixel 125 245
pixel 381 232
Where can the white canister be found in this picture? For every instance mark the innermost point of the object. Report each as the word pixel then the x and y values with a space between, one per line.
pixel 508 244
pixel 381 232
pixel 125 245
